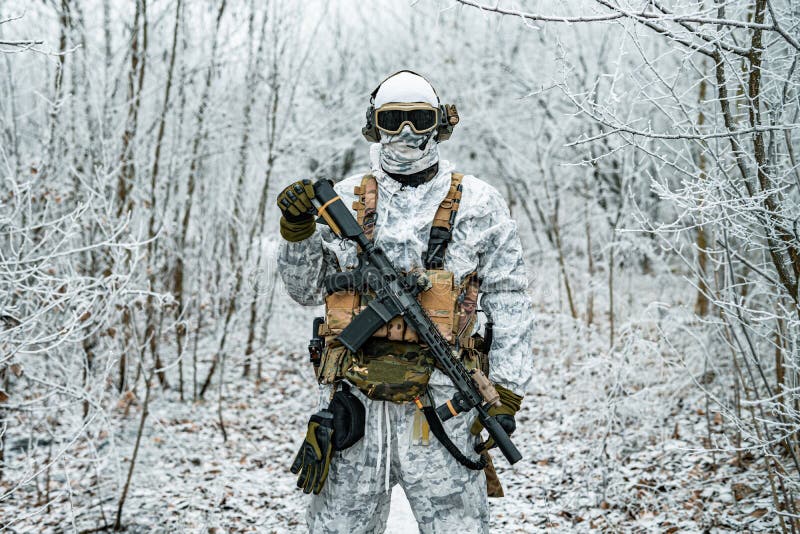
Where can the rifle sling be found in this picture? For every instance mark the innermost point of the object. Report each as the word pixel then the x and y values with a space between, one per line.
pixel 437 429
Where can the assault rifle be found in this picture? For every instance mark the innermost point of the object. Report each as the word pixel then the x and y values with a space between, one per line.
pixel 395 295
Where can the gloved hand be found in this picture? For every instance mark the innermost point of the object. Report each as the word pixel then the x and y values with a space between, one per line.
pixel 297 222
pixel 314 457
pixel 504 414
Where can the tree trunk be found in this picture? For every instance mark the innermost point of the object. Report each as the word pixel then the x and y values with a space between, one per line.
pixel 589 266
pixel 127 168
pixel 178 280
pixel 701 302
pixel 152 245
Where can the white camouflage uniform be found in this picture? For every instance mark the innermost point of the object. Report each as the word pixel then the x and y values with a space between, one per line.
pixel 444 495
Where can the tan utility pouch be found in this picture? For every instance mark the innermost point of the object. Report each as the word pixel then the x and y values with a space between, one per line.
pixel 441 302
pixel 340 308
pixel 392 365
pixel 450 307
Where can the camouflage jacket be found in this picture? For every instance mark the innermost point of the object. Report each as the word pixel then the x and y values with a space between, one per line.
pixel 484 238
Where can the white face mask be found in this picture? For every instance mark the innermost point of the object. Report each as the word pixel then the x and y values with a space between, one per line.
pixel 408 152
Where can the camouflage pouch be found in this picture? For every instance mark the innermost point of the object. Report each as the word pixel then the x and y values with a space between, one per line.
pixel 395 371
pixel 332 361
pixel 475 359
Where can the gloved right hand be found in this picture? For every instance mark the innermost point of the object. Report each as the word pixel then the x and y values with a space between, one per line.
pixel 297 222
pixel 510 403
pixel 314 457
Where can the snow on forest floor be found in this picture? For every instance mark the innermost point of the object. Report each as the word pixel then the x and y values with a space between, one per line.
pixel 611 442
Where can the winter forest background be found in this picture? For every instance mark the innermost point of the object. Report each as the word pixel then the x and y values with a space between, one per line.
pixel 153 371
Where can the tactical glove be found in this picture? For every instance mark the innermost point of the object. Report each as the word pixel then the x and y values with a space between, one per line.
pixel 297 222
pixel 504 414
pixel 314 457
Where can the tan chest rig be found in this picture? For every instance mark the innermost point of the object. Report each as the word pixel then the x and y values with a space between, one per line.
pixel 392 365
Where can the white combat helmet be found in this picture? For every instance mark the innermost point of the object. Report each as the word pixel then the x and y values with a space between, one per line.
pixel 406 86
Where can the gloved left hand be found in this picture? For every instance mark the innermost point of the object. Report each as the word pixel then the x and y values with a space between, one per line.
pixel 504 414
pixel 297 210
pixel 314 457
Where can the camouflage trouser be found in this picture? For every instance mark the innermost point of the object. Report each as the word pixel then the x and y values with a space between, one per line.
pixel 444 496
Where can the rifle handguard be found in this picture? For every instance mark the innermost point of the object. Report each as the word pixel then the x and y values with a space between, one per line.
pixel 459 404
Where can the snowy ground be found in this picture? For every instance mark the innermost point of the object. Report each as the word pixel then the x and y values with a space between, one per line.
pixel 611 442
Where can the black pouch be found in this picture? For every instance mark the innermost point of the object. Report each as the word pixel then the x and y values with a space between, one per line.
pixel 349 416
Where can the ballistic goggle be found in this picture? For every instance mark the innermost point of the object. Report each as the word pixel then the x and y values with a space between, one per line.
pixel 420 116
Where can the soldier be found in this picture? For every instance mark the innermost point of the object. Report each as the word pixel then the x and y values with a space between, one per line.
pixel 458 228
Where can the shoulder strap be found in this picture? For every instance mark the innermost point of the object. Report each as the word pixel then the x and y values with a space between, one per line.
pixel 442 227
pixel 366 204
